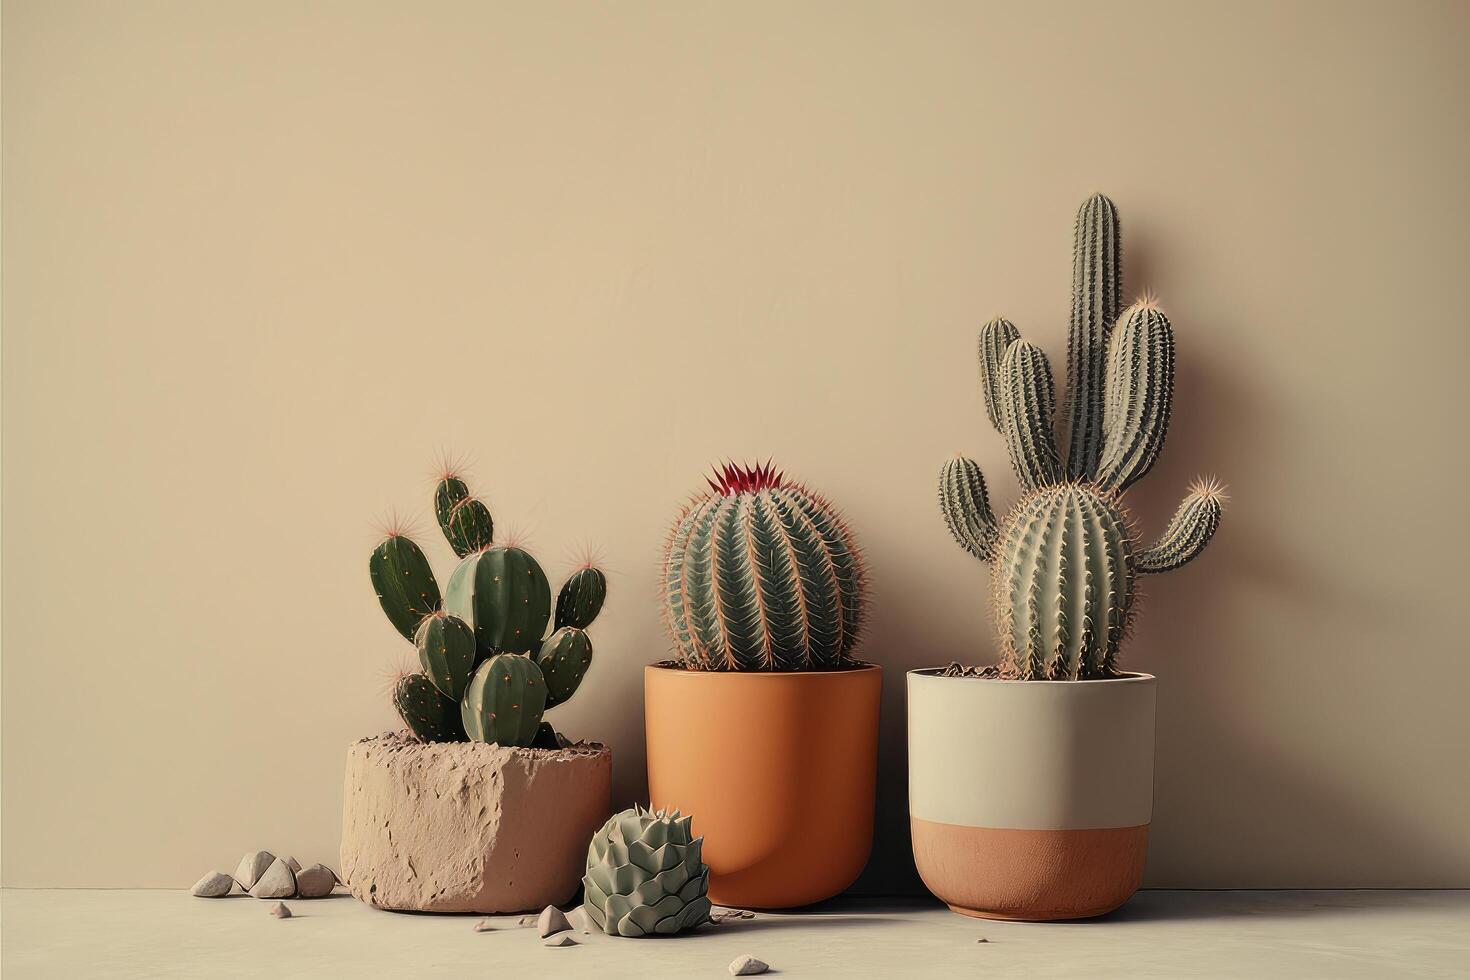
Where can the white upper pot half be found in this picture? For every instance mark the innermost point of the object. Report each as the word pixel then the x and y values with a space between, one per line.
pixel 1031 755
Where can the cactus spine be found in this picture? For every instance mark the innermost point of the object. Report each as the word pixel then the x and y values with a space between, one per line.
pixel 1064 560
pixel 762 574
pixel 495 608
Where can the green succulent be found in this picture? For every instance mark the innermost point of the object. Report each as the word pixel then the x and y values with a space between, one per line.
pixel 644 875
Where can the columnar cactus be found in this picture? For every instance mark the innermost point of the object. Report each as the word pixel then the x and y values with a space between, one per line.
pixel 1064 560
pixel 482 645
pixel 762 574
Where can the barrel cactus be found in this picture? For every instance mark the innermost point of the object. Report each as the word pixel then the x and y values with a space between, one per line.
pixel 1064 560
pixel 762 574
pixel 644 875
pixel 482 644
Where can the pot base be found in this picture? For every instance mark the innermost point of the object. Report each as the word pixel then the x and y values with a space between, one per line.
pixel 1029 875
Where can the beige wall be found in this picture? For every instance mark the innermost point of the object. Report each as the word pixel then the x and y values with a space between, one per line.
pixel 262 261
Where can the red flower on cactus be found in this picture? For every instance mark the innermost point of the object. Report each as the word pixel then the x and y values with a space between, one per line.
pixel 732 479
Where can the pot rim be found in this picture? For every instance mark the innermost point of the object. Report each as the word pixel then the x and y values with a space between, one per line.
pixel 856 668
pixel 1127 677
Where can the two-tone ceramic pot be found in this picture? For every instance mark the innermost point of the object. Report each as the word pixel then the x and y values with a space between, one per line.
pixel 1030 800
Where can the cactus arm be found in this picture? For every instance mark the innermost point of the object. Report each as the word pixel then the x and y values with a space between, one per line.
pixel 404 583
pixel 464 520
pixel 966 507
pixel 1097 289
pixel 564 659
pixel 1140 394
pixel 1189 530
pixel 1029 401
pixel 504 701
pixel 428 713
pixel 581 598
pixel 447 652
pixel 996 338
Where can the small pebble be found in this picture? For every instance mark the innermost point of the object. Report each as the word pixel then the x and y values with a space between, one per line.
pixel 982 939
pixel 292 863
pixel 552 921
pixel 277 882
pixel 252 866
pixel 484 925
pixel 280 911
pixel 746 965
pixel 527 920
pixel 316 881
pixel 560 939
pixel 216 884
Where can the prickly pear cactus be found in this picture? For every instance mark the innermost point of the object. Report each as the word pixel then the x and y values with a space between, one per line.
pixel 1064 560
pixel 644 875
pixel 496 605
pixel 762 574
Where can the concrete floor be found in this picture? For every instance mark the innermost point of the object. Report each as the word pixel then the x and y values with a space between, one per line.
pixel 1338 935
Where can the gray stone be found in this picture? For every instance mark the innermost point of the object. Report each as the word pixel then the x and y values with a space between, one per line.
pixel 292 863
pixel 276 882
pixel 216 884
pixel 552 921
pixel 280 911
pixel 746 965
pixel 560 939
pixel 252 866
pixel 316 881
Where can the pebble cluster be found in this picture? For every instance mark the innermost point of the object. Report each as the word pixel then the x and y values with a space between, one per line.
pixel 263 875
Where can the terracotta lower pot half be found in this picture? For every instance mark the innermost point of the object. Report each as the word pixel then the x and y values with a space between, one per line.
pixel 1030 800
pixel 778 771
pixel 470 827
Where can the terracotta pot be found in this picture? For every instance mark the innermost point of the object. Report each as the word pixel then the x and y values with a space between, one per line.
pixel 1030 799
pixel 778 771
pixel 469 827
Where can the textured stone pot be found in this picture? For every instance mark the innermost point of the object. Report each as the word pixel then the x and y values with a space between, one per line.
pixel 469 827
pixel 1030 799
pixel 778 771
